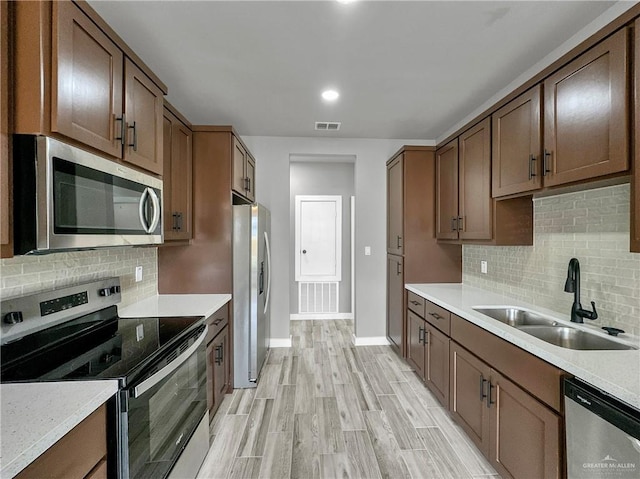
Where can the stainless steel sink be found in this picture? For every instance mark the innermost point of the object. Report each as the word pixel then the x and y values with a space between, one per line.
pixel 571 338
pixel 516 317
pixel 551 331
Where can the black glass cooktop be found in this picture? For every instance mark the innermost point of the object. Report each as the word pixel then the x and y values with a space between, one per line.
pixel 99 345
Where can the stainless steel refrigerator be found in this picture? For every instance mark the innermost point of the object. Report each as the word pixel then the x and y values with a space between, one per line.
pixel 251 288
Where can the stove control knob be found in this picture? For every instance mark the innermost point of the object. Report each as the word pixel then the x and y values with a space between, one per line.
pixel 115 289
pixel 104 291
pixel 13 317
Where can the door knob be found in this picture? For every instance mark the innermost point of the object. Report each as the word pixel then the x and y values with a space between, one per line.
pixel 304 251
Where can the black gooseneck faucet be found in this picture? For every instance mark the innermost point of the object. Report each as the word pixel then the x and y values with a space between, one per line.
pixel 572 285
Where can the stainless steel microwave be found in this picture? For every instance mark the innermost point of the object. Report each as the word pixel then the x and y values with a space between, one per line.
pixel 68 199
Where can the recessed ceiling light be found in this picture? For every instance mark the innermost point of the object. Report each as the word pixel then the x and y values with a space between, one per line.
pixel 330 95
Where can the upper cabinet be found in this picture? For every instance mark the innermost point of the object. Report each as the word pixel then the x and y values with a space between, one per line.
pixel 177 178
pixel 465 211
pixel 516 145
pixel 395 213
pixel 87 76
pixel 6 234
pixel 244 171
pixel 143 110
pixel 474 207
pixel 95 92
pixel 586 124
pixel 635 181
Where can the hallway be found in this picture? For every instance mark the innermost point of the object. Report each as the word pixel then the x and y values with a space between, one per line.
pixel 324 408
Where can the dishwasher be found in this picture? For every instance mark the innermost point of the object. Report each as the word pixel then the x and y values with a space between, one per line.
pixel 602 433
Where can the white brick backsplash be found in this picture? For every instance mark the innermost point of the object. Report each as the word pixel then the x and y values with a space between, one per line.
pixel 30 274
pixel 592 226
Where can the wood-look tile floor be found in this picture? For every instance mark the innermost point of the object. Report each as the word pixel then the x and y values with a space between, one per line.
pixel 327 409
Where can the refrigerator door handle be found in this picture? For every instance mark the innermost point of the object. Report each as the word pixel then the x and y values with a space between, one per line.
pixel 268 248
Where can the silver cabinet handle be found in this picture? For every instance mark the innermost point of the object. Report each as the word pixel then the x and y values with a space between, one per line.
pixel 150 382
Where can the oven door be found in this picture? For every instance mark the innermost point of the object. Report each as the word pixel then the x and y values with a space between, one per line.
pixel 164 409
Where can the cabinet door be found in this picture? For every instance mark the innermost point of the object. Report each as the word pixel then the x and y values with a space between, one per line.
pixel 238 182
pixel 168 212
pixel 635 182
pixel 517 419
pixel 586 121
pixel 395 300
pixel 437 364
pixel 86 102
pixel 416 327
pixel 469 379
pixel 143 109
pixel 516 147
pixel 395 209
pixel 475 209
pixel 6 233
pixel 447 191
pixel 220 367
pixel 181 179
pixel 250 169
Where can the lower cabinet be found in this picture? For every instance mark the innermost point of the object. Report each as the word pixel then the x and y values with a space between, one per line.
pixel 395 301
pixel 427 348
pixel 218 359
pixel 519 435
pixel 81 453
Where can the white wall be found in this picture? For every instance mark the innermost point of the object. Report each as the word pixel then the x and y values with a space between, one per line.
pixel 272 179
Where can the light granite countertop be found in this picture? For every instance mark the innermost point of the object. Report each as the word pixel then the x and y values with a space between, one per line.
pixel 34 416
pixel 167 305
pixel 616 372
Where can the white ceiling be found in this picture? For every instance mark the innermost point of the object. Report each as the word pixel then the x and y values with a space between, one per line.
pixel 403 69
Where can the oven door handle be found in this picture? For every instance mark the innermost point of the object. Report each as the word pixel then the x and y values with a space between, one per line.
pixel 150 382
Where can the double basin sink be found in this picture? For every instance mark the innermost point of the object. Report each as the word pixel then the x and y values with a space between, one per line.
pixel 551 331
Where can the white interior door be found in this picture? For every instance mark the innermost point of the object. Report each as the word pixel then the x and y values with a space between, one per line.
pixel 318 238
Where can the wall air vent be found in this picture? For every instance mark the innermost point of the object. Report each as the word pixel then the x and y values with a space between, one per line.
pixel 328 125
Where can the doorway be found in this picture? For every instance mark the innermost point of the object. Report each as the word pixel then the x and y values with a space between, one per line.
pixel 321 232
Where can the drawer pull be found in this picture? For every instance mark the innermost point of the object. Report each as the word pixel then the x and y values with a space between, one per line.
pixel 413 301
pixel 218 321
pixel 436 315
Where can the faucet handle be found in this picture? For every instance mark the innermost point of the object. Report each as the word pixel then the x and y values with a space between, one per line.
pixel 593 314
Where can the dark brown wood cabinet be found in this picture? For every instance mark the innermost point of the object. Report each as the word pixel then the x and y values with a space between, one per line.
pixel 87 81
pixel 501 418
pixel 6 193
pixel 143 107
pixel 244 171
pixel 635 179
pixel 586 124
pixel 75 79
pixel 81 453
pixel 428 344
pixel 395 301
pixel 516 158
pixel 177 177
pixel 411 240
pixel 464 208
pixel 395 201
pixel 475 210
pixel 218 359
pixel 465 211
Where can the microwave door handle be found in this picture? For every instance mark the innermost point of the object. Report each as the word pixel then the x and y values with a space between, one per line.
pixel 141 207
pixel 150 382
pixel 156 210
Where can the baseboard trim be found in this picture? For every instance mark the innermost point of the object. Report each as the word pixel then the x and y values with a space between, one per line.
pixel 370 340
pixel 280 342
pixel 319 316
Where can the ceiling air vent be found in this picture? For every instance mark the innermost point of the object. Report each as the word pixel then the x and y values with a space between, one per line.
pixel 328 125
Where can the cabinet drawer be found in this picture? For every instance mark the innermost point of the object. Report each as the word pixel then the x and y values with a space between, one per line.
pixel 439 317
pixel 217 321
pixel 415 303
